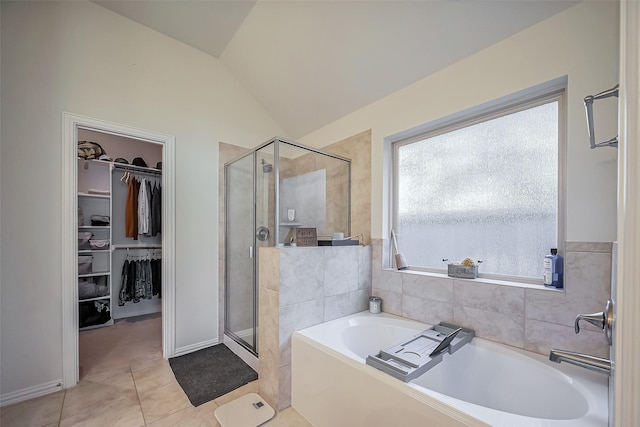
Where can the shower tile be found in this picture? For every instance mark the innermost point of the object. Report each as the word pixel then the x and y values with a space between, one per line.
pixel 426 310
pixel 433 288
pixel 341 270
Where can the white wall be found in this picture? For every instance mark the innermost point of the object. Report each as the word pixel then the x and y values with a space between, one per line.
pixel 581 42
pixel 81 58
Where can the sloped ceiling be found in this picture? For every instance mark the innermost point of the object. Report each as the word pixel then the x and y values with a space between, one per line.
pixel 311 62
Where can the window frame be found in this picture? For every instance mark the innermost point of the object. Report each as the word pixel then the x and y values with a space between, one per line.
pixel 530 98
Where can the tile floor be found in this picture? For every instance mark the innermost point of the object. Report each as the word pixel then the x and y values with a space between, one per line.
pixel 124 381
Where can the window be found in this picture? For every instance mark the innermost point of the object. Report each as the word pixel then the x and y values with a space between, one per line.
pixel 485 187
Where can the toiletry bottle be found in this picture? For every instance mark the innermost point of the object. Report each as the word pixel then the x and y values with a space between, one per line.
pixel 553 270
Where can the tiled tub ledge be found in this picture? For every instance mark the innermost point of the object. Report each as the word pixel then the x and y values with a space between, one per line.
pixel 478 280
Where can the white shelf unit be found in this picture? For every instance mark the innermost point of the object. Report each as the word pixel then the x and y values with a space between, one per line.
pixel 95 311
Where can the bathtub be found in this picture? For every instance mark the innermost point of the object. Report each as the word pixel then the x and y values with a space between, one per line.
pixel 483 383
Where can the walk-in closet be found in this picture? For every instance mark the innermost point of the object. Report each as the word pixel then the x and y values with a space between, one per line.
pixel 119 248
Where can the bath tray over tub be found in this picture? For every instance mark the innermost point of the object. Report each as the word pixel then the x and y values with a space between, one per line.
pixel 415 356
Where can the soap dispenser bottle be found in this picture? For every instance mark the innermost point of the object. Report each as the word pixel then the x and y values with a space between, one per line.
pixel 553 270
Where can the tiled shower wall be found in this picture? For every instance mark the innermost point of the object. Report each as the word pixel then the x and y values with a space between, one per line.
pixel 302 287
pixel 530 318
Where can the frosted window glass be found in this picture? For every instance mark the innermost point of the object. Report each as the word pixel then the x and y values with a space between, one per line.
pixel 488 191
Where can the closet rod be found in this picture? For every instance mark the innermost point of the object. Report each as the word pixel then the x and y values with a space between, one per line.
pixel 137 169
pixel 137 246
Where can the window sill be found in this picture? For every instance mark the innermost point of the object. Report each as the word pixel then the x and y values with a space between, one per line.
pixel 478 280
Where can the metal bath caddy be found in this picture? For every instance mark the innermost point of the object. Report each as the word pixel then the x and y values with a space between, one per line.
pixel 412 358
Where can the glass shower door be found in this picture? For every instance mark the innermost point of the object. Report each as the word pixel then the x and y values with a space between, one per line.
pixel 240 295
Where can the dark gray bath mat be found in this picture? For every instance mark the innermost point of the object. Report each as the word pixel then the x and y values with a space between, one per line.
pixel 209 373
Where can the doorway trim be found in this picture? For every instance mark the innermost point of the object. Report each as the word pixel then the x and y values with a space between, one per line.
pixel 70 323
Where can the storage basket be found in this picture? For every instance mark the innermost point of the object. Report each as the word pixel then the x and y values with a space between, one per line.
pixel 462 271
pixel 83 240
pixel 85 264
pixel 99 244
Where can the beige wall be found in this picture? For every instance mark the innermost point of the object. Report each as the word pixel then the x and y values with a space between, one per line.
pixel 81 58
pixel 581 42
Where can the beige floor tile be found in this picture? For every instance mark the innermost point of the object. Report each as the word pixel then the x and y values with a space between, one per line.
pixel 288 418
pixel 163 401
pixel 202 416
pixel 156 374
pixel 38 412
pixel 89 394
pixel 252 387
pixel 118 413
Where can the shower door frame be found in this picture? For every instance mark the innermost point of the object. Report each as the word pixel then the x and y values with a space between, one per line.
pixel 276 231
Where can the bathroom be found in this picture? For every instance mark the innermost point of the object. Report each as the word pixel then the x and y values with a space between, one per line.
pixel 200 113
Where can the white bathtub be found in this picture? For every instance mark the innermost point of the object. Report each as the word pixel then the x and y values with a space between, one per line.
pixel 483 383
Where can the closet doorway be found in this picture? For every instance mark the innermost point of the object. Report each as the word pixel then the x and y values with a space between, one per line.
pixel 121 285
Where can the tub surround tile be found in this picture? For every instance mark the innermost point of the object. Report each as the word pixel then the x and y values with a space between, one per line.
pixel 344 304
pixel 340 276
pixel 295 317
pixel 507 300
pixel 313 285
pixel 433 288
pixel 390 280
pixel 499 312
pixel 491 325
pixel 284 387
pixel 426 310
pixel 541 337
pixel 364 268
pixel 269 265
pixel 391 301
pixel 301 274
pixel 588 277
pixel 605 247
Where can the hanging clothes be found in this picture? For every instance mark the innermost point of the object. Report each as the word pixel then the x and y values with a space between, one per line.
pixel 131 208
pixel 143 208
pixel 156 210
pixel 140 280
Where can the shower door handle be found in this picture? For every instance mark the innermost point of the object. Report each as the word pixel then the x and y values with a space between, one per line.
pixel 250 251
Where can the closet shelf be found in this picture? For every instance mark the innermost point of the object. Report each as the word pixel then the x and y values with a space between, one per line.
pixel 93 251
pixel 94 227
pixel 95 196
pixel 96 274
pixel 95 298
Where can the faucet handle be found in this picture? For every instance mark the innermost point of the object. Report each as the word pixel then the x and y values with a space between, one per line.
pixel 596 319
pixel 603 320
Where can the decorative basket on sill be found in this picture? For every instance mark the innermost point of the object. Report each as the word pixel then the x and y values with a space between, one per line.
pixel 467 269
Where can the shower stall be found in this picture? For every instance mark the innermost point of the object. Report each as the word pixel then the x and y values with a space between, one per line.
pixel 269 192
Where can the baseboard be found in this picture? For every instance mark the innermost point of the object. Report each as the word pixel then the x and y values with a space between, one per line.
pixel 241 352
pixel 195 347
pixel 30 392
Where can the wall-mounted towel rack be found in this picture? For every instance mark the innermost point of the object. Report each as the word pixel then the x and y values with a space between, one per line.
pixel 588 105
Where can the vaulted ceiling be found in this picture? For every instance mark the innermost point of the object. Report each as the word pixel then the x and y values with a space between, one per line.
pixel 310 62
